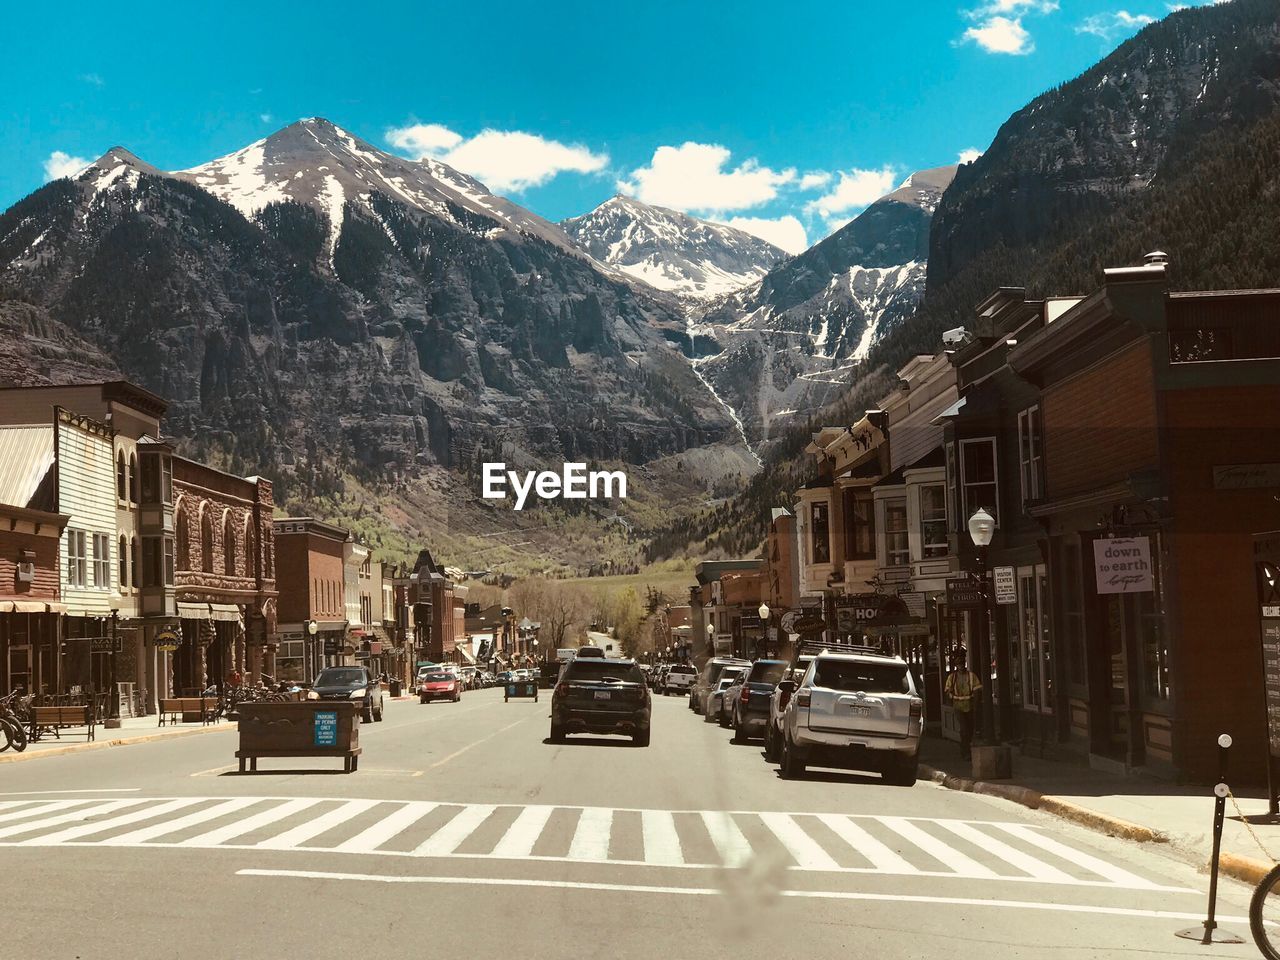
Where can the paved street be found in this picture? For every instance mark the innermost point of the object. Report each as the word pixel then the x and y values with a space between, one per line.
pixel 464 833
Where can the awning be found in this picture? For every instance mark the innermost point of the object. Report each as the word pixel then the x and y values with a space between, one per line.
pixel 193 611
pixel 225 611
pixel 30 606
pixel 466 655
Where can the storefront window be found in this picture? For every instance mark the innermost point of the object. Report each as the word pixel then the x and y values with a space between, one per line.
pixel 1072 611
pixel 897 542
pixel 1152 637
pixel 933 521
pixel 821 534
pixel 1036 649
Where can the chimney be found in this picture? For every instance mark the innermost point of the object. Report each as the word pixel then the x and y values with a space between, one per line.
pixel 1156 258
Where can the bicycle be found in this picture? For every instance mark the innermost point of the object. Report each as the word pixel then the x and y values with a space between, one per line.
pixel 13 723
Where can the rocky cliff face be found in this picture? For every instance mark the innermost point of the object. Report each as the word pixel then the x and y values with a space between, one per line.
pixel 670 250
pixel 313 306
pixel 793 341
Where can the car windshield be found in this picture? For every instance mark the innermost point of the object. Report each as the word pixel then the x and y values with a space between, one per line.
pixel 858 676
pixel 683 668
pixel 603 670
pixel 339 677
pixel 770 671
pixel 437 677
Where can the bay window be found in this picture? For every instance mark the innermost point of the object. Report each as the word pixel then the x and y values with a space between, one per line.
pixel 859 525
pixel 820 542
pixel 978 485
pixel 896 538
pixel 933 521
pixel 1030 454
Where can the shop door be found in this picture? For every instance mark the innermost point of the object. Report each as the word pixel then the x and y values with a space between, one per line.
pixel 1115 636
pixel 19 668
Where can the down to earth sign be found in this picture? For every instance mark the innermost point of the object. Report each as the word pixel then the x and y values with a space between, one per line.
pixel 1123 565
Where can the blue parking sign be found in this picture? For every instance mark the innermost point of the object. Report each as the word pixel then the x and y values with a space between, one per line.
pixel 326 729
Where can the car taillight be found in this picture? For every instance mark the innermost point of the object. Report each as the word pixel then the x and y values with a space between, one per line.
pixel 802 698
pixel 746 695
pixel 917 708
pixel 562 689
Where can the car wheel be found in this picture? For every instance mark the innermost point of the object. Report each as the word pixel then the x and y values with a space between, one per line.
pixel 771 743
pixel 422 699
pixel 641 739
pixel 557 733
pixel 366 715
pixel 792 768
pixel 901 771
pixel 706 714
pixel 377 714
pixel 724 721
pixel 739 734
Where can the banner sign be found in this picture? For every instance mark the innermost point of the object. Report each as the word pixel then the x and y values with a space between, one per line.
pixel 964 593
pixel 1123 565
pixel 105 644
pixel 168 639
pixel 325 731
pixel 1006 585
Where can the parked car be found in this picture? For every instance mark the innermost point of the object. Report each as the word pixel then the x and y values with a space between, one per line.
pixel 594 695
pixel 711 671
pixel 749 697
pixel 591 651
pixel 855 711
pixel 714 710
pixel 778 701
pixel 440 685
pixel 350 683
pixel 679 678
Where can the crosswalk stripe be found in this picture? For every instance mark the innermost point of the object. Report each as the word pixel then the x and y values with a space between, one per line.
pixel 1078 857
pixel 591 838
pixel 370 839
pixel 802 847
pixel 313 828
pixel 953 858
pixel 173 826
pixel 732 846
pixel 106 806
pixel 880 856
pixel 520 837
pixel 102 826
pixel 454 833
pixel 249 824
pixel 1012 855
pixel 42 807
pixel 661 842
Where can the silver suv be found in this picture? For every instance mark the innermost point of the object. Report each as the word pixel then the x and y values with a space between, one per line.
pixel 708 678
pixel 856 711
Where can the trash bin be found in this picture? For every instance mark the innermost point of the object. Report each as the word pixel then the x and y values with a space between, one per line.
pixel 395 688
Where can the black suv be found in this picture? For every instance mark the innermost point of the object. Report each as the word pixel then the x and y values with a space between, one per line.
pixel 351 684
pixel 594 695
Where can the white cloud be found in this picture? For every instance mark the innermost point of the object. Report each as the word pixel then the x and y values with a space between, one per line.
pixel 693 176
pixel 1001 35
pixel 969 155
pixel 265 117
pixel 814 179
pixel 93 79
pixel 1110 27
pixel 854 190
pixel 786 232
pixel 59 164
pixel 506 160
pixel 995 8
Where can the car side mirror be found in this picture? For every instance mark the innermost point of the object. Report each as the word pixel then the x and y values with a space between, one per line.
pixel 787 686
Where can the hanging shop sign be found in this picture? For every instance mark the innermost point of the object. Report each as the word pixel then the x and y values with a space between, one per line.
pixel 1246 476
pixel 1006 585
pixel 964 593
pixel 168 639
pixel 1123 565
pixel 104 644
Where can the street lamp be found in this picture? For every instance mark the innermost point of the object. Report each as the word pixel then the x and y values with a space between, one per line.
pixel 982 527
pixel 113 695
pixel 764 625
pixel 312 629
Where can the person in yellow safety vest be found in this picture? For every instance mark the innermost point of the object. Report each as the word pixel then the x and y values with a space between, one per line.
pixel 962 688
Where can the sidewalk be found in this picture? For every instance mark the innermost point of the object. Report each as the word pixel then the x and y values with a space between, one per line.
pixel 1136 808
pixel 132 730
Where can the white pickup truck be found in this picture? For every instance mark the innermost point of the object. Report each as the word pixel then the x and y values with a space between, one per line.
pixel 680 679
pixel 856 711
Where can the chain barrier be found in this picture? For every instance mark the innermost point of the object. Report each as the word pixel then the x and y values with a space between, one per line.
pixel 1248 826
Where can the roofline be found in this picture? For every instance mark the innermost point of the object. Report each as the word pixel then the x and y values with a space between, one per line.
pixel 111 390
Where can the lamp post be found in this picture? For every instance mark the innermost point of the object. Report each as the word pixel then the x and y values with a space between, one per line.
pixel 982 527
pixel 312 629
pixel 112 720
pixel 764 625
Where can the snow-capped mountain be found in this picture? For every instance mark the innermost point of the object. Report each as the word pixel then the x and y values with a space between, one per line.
pixel 792 340
pixel 317 163
pixel 670 250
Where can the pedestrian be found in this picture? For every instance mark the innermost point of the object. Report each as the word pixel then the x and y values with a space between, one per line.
pixel 962 686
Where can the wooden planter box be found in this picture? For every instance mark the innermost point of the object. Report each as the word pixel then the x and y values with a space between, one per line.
pixel 310 728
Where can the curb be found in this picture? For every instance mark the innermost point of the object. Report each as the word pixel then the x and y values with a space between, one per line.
pixel 117 742
pixel 1027 797
pixel 1249 870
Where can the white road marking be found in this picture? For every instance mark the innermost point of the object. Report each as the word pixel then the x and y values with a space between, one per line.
pixel 173 826
pixel 82 813
pixel 45 793
pixel 880 856
pixel 313 828
pixel 661 842
pixel 1086 908
pixel 520 837
pixel 102 826
pixel 961 863
pixel 452 835
pixel 591 838
pixel 1078 857
pixel 32 807
pixel 730 843
pixel 375 836
pixel 984 841
pixel 474 743
pixel 806 852
pixel 249 824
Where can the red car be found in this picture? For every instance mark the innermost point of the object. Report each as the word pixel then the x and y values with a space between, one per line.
pixel 439 686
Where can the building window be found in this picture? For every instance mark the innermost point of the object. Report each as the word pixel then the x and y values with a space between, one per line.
pixel 135 562
pixel 1034 639
pixel 1152 637
pixel 953 512
pixel 135 492
pixel 290 650
pixel 122 558
pixel 1072 611
pixel 184 542
pixel 978 478
pixel 168 562
pixel 896 539
pixel 821 541
pixel 228 547
pixel 933 521
pixel 250 550
pixel 206 542
pixel 102 561
pixel 1030 454
pixel 122 483
pixel 76 565
pixel 859 525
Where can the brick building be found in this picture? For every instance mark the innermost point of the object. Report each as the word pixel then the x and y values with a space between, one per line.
pixel 311 584
pixel 30 606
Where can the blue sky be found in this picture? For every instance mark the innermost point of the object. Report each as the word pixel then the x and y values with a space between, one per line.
pixel 785 117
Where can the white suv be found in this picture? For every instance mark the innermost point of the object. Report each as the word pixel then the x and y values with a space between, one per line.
pixel 856 711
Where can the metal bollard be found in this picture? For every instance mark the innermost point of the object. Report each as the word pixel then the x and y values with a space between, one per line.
pixel 1209 932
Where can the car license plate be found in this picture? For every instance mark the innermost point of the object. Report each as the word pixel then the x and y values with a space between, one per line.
pixel 860 711
pixel 603 695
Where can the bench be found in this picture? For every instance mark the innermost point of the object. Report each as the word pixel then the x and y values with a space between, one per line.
pixel 188 710
pixel 59 718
